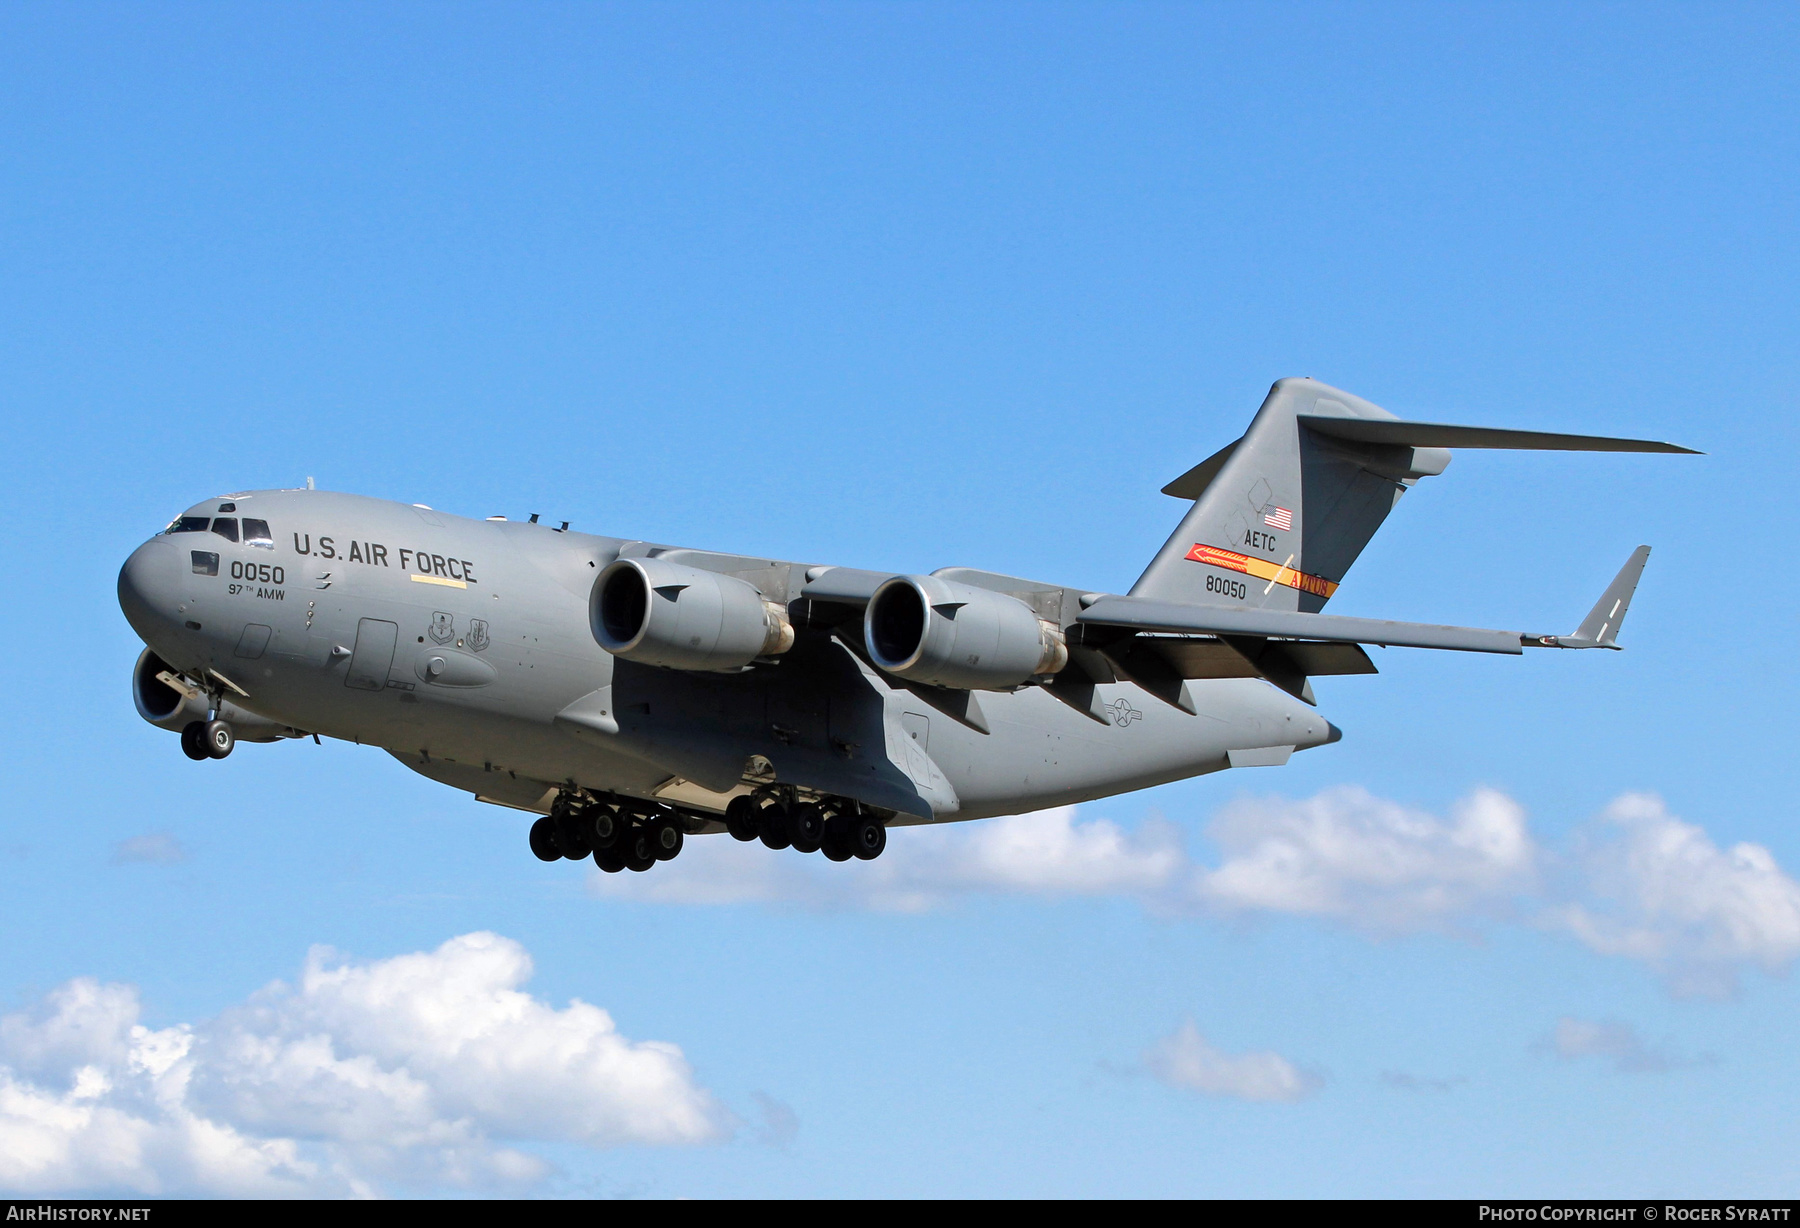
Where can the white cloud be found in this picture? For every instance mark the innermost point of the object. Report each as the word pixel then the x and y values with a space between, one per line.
pixel 1046 853
pixel 403 1069
pixel 1185 1059
pixel 1343 854
pixel 1659 890
pixel 154 848
pixel 82 1023
pixel 91 1100
pixel 1372 863
pixel 1636 882
pixel 1613 1041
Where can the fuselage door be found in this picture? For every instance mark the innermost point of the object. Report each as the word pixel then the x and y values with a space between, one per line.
pixel 373 656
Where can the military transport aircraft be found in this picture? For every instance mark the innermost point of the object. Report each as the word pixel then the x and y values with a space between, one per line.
pixel 634 694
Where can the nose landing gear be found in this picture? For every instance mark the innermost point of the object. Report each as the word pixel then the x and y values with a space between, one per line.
pixel 207 739
pixel 191 745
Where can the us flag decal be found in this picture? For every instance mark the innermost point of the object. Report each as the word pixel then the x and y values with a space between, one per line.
pixel 1278 518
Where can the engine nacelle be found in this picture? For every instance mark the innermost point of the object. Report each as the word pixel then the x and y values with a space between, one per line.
pixel 163 705
pixel 176 703
pixel 660 613
pixel 945 634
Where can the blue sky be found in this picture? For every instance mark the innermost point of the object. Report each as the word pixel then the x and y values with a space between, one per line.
pixel 910 286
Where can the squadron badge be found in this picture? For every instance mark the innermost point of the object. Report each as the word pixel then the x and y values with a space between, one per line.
pixel 477 639
pixel 442 629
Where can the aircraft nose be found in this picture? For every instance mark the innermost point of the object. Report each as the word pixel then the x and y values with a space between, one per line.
pixel 147 587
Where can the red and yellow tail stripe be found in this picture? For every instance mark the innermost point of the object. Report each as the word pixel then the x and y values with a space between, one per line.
pixel 1262 569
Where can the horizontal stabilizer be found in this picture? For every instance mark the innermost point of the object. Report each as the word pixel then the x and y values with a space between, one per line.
pixel 1400 433
pixel 1193 483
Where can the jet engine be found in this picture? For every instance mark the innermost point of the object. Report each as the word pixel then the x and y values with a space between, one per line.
pixel 168 701
pixel 945 634
pixel 161 704
pixel 660 613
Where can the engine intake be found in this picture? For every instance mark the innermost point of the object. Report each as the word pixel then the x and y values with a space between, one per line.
pixel 159 703
pixel 174 707
pixel 938 632
pixel 661 613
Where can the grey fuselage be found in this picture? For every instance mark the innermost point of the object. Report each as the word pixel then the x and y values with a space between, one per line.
pixel 464 647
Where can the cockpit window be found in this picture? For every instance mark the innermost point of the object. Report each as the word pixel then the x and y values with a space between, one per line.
pixel 256 533
pixel 228 507
pixel 187 524
pixel 226 527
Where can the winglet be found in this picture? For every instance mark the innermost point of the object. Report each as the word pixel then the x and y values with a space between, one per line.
pixel 1600 629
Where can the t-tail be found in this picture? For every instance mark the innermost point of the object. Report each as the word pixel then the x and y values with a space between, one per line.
pixel 1280 515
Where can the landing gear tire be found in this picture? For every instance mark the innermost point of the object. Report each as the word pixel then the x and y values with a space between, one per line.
pixel 217 738
pixel 868 837
pixel 837 840
pixel 666 838
pixel 611 860
pixel 543 840
pixel 605 828
pixel 740 818
pixel 572 837
pixel 191 745
pixel 806 828
pixel 639 854
pixel 772 826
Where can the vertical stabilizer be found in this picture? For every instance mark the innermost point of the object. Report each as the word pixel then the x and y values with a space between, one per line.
pixel 1279 516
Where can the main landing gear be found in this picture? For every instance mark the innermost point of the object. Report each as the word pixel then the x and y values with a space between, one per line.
pixel 618 835
pixel 207 739
pixel 626 834
pixel 839 829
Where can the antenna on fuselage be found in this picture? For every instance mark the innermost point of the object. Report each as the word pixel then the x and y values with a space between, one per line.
pixel 309 484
